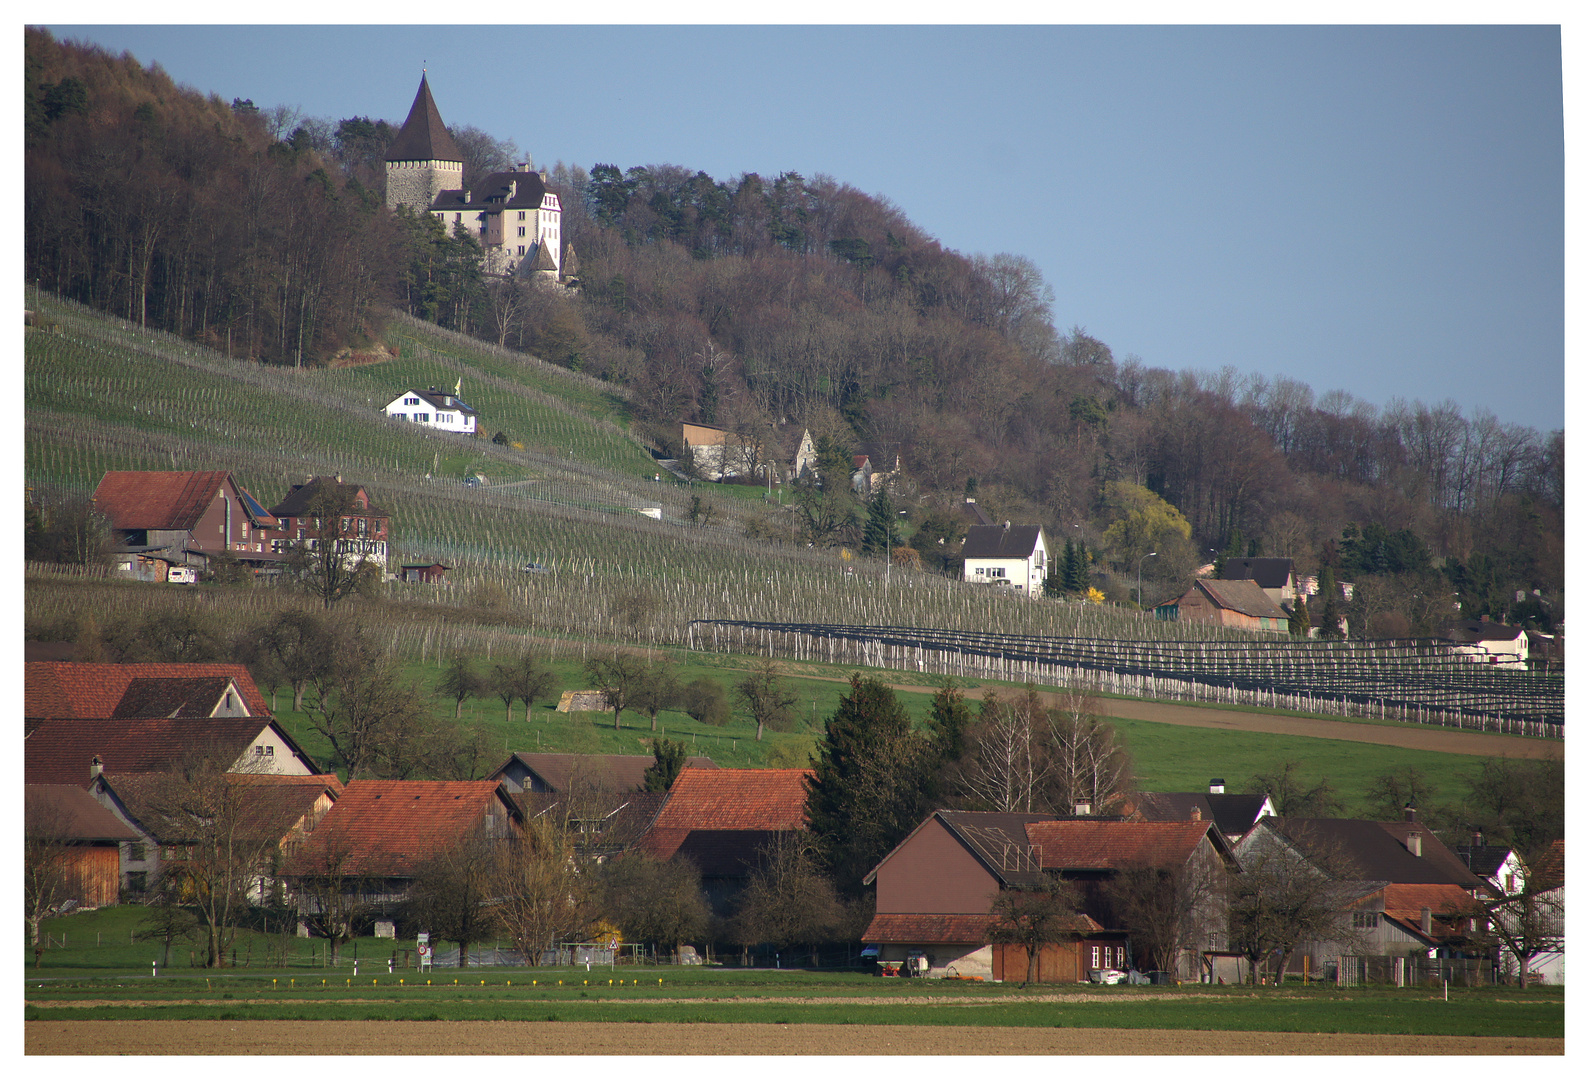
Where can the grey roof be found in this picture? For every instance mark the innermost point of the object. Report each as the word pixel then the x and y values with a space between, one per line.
pixel 441 399
pixel 1234 815
pixel 296 504
pixel 1481 630
pixel 1000 542
pixel 424 137
pixel 543 259
pixel 617 772
pixel 1268 573
pixel 973 514
pixel 1484 860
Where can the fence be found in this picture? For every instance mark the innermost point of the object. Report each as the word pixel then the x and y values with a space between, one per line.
pixel 1411 680
pixel 1410 971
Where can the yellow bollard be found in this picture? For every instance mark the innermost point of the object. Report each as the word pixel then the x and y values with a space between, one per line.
pixel 372 982
pixel 273 984
pixel 292 984
pixel 399 982
pixel 482 982
pixel 510 982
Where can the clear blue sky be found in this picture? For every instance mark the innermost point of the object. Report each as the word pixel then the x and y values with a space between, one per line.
pixel 1371 209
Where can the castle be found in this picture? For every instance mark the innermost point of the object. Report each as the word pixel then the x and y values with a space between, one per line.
pixel 517 220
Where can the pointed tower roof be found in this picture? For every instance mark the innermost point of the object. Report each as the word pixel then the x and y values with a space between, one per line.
pixel 543 259
pixel 424 137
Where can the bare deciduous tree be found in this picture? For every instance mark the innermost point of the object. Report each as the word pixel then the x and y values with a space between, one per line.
pixel 1032 917
pixel 787 900
pixel 1090 764
pixel 542 893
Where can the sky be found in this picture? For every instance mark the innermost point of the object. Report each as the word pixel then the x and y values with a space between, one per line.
pixel 1372 209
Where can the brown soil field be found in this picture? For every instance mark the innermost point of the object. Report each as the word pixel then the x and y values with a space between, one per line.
pixel 309 1037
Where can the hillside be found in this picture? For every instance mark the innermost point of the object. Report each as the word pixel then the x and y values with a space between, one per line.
pixel 102 395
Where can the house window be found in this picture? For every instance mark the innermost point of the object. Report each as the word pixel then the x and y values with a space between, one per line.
pixel 422 417
pixel 1365 920
pixel 521 218
pixel 1097 957
pixel 521 249
pixel 411 401
pixel 521 230
pixel 137 881
pixel 136 853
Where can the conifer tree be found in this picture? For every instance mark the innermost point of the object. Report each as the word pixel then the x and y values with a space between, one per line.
pixel 870 784
pixel 1330 615
pixel 1299 618
pixel 882 525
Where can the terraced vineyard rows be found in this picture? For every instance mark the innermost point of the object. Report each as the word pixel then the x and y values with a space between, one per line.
pixel 1417 680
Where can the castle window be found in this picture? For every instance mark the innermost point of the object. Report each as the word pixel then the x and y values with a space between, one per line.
pixel 521 228
pixel 521 218
pixel 521 249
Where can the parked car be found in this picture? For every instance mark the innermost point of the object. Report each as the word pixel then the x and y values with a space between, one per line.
pixel 1107 976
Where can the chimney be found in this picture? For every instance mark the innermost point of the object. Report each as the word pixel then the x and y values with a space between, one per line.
pixel 1216 786
pixel 1484 618
pixel 1426 922
pixel 1083 809
pixel 1197 814
pixel 1415 844
pixel 1409 812
pixel 95 768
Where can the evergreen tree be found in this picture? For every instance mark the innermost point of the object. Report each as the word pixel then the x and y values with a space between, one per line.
pixel 882 525
pixel 1330 615
pixel 670 757
pixel 1299 618
pixel 871 782
pixel 1077 565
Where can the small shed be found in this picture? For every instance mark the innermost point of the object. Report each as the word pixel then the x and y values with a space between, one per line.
pixel 429 573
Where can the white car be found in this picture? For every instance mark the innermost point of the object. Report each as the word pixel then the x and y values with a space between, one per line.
pixel 1107 976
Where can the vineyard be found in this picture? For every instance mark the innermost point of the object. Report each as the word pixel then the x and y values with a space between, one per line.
pixel 1417 681
pixel 103 395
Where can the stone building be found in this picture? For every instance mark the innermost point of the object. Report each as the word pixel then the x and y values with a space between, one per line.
pixel 513 215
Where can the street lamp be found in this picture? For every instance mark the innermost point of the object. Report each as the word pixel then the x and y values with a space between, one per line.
pixel 1149 555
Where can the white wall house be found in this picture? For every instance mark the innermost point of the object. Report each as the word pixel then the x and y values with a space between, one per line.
pixel 434 408
pixel 1007 556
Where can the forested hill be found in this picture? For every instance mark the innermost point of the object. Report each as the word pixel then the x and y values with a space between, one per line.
pixel 736 302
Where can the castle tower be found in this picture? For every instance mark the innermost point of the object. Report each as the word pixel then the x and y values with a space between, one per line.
pixel 423 160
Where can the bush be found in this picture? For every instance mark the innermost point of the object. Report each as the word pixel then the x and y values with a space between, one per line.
pixel 706 702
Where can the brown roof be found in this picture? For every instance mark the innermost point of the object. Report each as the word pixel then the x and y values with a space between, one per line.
pixel 894 929
pixel 392 827
pixel 998 542
pixel 278 803
pixel 623 817
pixel 725 853
pixel 296 502
pixel 1245 597
pixel 161 500
pixel 618 772
pixel 1550 869
pixel 68 812
pixel 172 697
pixel 736 799
pixel 1405 904
pixel 56 690
pixel 61 751
pixel 424 137
pixel 1377 850
pixel 1115 845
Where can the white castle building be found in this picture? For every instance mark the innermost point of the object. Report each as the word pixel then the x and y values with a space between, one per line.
pixel 517 221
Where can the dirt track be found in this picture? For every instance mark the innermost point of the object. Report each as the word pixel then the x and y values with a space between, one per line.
pixel 144 1037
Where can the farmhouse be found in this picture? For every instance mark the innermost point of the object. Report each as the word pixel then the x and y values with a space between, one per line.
pixel 1006 556
pixel 515 218
pixel 1239 604
pixel 164 523
pixel 381 833
pixel 1486 642
pixel 935 894
pixel 56 690
pixel 81 841
pixel 721 819
pixel 1276 577
pixel 361 529
pixel 435 409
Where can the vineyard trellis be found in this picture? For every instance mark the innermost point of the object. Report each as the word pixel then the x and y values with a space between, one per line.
pixel 1417 680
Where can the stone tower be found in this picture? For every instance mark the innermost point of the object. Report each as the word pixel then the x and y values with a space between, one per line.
pixel 423 160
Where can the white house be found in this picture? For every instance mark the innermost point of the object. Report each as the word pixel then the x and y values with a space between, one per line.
pixel 1486 642
pixel 434 408
pixel 1006 556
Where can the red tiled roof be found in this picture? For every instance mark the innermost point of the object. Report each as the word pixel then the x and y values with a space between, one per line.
pixel 70 813
pixel 1446 904
pixel 769 799
pixel 391 827
pixel 157 500
pixel 946 929
pixel 1112 845
pixel 60 751
pixel 1550 869
pixel 55 690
